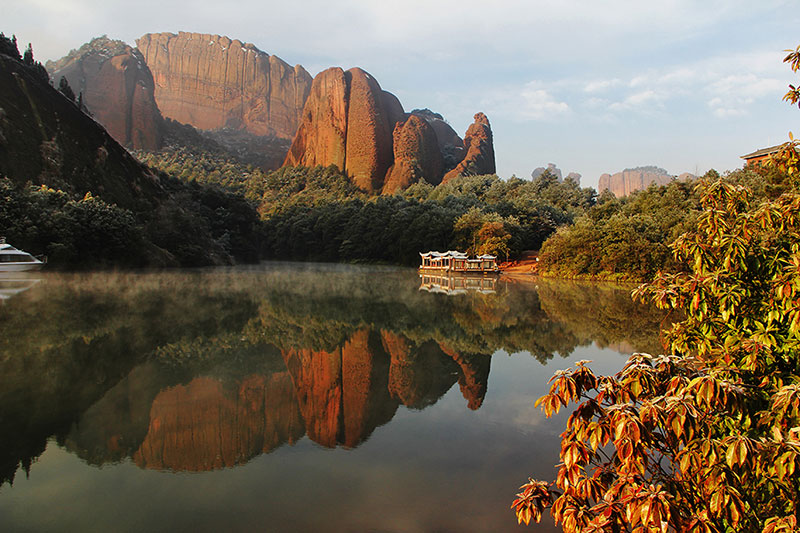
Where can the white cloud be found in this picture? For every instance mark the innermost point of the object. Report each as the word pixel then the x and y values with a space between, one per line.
pixel 601 85
pixel 539 104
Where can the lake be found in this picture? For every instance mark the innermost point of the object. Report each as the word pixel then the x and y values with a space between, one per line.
pixel 289 397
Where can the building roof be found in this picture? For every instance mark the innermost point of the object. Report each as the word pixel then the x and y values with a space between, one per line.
pixel 454 254
pixel 764 151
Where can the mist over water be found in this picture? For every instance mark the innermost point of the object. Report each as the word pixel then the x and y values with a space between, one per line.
pixel 289 397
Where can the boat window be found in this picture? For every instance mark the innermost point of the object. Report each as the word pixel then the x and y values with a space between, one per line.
pixel 15 258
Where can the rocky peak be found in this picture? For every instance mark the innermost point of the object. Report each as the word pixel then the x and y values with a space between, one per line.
pixel 212 81
pixel 350 122
pixel 117 88
pixel 479 143
pixel 370 123
pixel 416 155
pixel 450 144
pixel 322 134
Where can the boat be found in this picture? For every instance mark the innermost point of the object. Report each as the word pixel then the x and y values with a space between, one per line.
pixel 13 260
pixel 454 261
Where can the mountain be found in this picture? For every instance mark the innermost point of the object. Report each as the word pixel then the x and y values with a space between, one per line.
pixel 555 171
pixel 45 139
pixel 633 179
pixel 97 205
pixel 479 143
pixel 117 87
pixel 349 121
pixel 213 82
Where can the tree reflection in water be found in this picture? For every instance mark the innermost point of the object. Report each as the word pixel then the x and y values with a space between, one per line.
pixel 204 370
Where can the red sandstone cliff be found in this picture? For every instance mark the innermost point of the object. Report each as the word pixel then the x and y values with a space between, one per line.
pixel 633 179
pixel 369 131
pixel 479 158
pixel 416 155
pixel 117 88
pixel 322 134
pixel 211 82
pixel 450 144
pixel 350 122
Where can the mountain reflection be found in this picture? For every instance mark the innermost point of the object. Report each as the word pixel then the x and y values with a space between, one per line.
pixel 201 371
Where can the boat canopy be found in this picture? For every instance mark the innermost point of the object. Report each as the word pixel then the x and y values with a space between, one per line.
pixel 455 255
pixel 450 253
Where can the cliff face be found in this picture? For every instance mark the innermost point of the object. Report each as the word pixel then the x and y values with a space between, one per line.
pixel 450 144
pixel 350 122
pixel 369 136
pixel 212 82
pixel 117 88
pixel 416 155
pixel 479 158
pixel 322 134
pixel 633 179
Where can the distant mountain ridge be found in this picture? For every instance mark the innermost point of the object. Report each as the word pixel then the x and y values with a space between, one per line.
pixel 634 179
pixel 243 99
pixel 257 108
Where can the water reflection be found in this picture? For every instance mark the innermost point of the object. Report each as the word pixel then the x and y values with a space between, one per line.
pixel 206 370
pixel 11 285
pixel 452 283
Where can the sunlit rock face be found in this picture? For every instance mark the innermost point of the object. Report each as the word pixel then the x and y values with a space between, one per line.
pixel 322 134
pixel 211 82
pixel 479 143
pixel 116 86
pixel 350 122
pixel 205 426
pixel 633 179
pixel 370 122
pixel 416 155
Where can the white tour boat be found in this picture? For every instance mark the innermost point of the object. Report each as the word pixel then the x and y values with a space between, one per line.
pixel 13 260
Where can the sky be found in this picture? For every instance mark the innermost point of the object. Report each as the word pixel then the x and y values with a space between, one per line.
pixel 592 86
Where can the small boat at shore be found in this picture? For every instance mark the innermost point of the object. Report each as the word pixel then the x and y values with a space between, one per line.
pixel 453 261
pixel 14 260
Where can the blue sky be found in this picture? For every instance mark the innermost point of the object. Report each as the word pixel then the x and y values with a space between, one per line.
pixel 593 86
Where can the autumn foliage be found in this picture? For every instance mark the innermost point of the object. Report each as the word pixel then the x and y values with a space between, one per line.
pixel 707 438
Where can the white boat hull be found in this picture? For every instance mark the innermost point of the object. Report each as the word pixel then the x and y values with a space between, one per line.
pixel 21 267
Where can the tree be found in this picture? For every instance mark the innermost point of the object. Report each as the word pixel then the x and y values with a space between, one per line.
pixel 707 438
pixel 27 57
pixel 793 95
pixel 66 90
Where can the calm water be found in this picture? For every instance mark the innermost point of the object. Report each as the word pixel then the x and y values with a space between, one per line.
pixel 288 397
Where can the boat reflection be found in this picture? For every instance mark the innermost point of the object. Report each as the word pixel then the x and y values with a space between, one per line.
pixel 11 286
pixel 451 284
